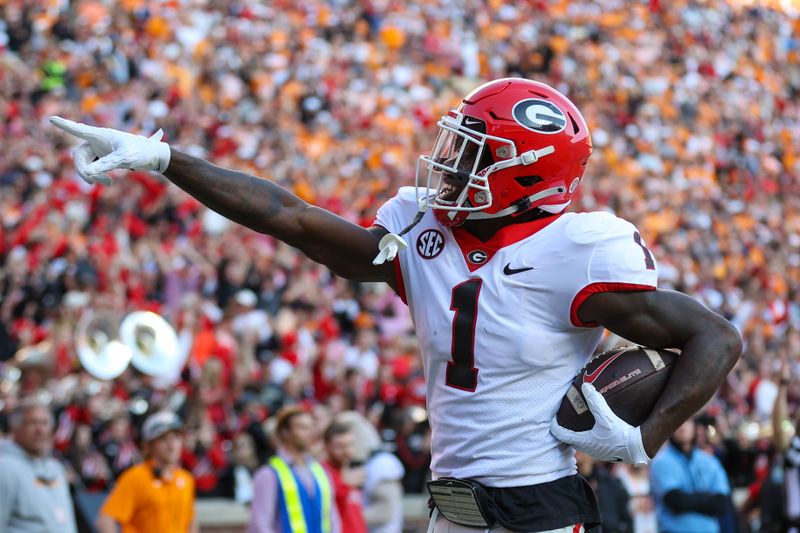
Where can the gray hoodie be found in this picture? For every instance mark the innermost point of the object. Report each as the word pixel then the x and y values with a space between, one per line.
pixel 34 494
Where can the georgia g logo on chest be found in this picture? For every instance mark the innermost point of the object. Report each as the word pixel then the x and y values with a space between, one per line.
pixel 430 243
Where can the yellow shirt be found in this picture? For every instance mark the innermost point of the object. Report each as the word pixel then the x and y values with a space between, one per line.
pixel 142 503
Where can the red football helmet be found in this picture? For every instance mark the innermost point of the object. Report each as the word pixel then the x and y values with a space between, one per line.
pixel 511 146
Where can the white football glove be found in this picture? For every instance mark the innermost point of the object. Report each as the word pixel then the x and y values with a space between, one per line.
pixel 611 439
pixel 115 149
pixel 389 246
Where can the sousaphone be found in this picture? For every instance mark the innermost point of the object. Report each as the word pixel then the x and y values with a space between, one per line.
pixel 99 349
pixel 35 356
pixel 153 343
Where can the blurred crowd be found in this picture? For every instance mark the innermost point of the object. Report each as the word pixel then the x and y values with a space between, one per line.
pixel 694 108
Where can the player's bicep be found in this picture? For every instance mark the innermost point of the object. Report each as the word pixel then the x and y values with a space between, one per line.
pixel 346 248
pixel 657 319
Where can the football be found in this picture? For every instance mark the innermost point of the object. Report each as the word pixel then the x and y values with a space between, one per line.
pixel 630 378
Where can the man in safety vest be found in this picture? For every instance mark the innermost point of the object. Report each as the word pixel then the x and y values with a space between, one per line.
pixel 292 493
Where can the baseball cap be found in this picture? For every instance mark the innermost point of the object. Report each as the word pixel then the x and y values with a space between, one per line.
pixel 160 423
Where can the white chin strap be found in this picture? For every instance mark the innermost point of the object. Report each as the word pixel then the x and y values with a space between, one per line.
pixel 525 158
pixel 510 210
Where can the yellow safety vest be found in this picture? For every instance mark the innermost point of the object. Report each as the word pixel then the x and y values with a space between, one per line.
pixel 291 494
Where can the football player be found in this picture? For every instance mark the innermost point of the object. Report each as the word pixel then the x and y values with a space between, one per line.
pixel 509 294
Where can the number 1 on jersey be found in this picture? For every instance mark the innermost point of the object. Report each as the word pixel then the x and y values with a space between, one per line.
pixel 461 372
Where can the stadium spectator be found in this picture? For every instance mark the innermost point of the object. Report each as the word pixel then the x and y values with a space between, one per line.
pixel 155 495
pixel 612 498
pixel 236 483
pixel 292 492
pixel 637 485
pixel 118 446
pixel 89 466
pixel 34 493
pixel 785 502
pixel 414 451
pixel 690 487
pixel 383 472
pixel 347 477
pixel 204 457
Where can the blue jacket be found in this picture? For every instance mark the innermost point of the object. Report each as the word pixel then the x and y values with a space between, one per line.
pixel 699 472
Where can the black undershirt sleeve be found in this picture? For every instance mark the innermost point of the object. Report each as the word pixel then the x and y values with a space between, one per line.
pixel 707 503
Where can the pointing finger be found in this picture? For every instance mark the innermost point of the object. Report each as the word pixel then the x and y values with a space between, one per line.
pixel 73 128
pixel 92 134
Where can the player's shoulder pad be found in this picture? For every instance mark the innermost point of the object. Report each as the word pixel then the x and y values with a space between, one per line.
pixel 403 204
pixel 408 194
pixel 597 226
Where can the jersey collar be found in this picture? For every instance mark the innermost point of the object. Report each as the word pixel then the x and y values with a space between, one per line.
pixel 471 246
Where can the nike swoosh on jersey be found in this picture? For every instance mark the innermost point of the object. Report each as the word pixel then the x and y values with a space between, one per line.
pixel 508 271
pixel 589 378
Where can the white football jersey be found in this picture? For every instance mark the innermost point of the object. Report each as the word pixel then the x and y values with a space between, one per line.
pixel 499 332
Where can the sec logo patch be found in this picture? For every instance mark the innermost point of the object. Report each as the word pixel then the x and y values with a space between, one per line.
pixel 430 243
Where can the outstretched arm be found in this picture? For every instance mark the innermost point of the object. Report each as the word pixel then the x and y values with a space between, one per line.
pixel 709 345
pixel 346 248
pixel 259 204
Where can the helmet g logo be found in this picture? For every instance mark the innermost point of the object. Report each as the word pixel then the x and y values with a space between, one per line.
pixel 477 257
pixel 540 116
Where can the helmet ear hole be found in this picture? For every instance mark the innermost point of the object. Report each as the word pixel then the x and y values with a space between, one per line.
pixel 486 159
pixel 527 181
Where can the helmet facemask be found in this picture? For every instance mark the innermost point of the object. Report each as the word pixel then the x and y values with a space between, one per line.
pixel 459 165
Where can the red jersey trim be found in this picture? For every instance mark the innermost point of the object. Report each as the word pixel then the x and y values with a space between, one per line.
pixel 398 279
pixel 594 288
pixel 506 236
